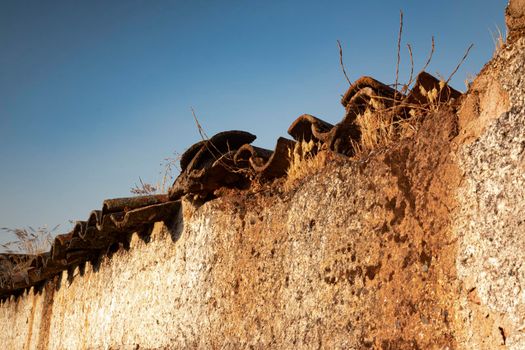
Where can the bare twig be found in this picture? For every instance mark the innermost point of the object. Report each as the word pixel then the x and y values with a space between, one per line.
pixel 429 56
pixel 215 152
pixel 341 62
pixel 144 188
pixel 205 137
pixel 166 174
pixel 398 52
pixel 411 67
pixel 199 127
pixel 460 63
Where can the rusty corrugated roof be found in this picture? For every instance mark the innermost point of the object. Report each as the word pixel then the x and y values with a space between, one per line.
pixel 88 239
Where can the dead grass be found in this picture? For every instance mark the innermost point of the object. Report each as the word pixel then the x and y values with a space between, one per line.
pixel 304 160
pixel 7 269
pixel 380 127
pixel 17 265
pixel 499 39
pixel 167 174
pixel 29 241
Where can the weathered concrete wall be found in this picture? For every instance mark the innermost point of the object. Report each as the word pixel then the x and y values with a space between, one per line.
pixel 489 221
pixel 359 255
pixel 419 246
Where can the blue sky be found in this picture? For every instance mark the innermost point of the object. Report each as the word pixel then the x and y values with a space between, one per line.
pixel 94 94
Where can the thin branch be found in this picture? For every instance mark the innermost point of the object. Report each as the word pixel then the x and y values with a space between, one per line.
pixel 144 188
pixel 341 62
pixel 429 56
pixel 411 66
pixel 398 51
pixel 215 152
pixel 205 137
pixel 199 127
pixel 460 63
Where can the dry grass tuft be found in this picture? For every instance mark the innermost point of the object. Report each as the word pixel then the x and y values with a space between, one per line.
pixel 380 129
pixel 29 241
pixel 377 129
pixel 7 270
pixel 168 165
pixel 304 160
pixel 18 265
pixel 499 39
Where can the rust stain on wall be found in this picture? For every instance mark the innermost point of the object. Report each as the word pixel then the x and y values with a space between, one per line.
pixel 47 313
pixel 30 323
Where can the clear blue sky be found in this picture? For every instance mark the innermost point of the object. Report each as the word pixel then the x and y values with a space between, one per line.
pixel 94 94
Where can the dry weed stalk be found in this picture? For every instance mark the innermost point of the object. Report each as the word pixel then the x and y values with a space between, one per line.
pixel 220 156
pixel 411 77
pixel 498 39
pixel 17 265
pixel 171 163
pixel 143 188
pixel 168 166
pixel 380 126
pixel 433 95
pixel 341 62
pixel 398 52
pixel 376 129
pixel 459 64
pixel 29 241
pixel 215 152
pixel 469 80
pixel 429 59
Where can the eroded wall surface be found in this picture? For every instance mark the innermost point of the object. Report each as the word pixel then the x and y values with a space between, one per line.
pixel 489 221
pixel 418 246
pixel 358 255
